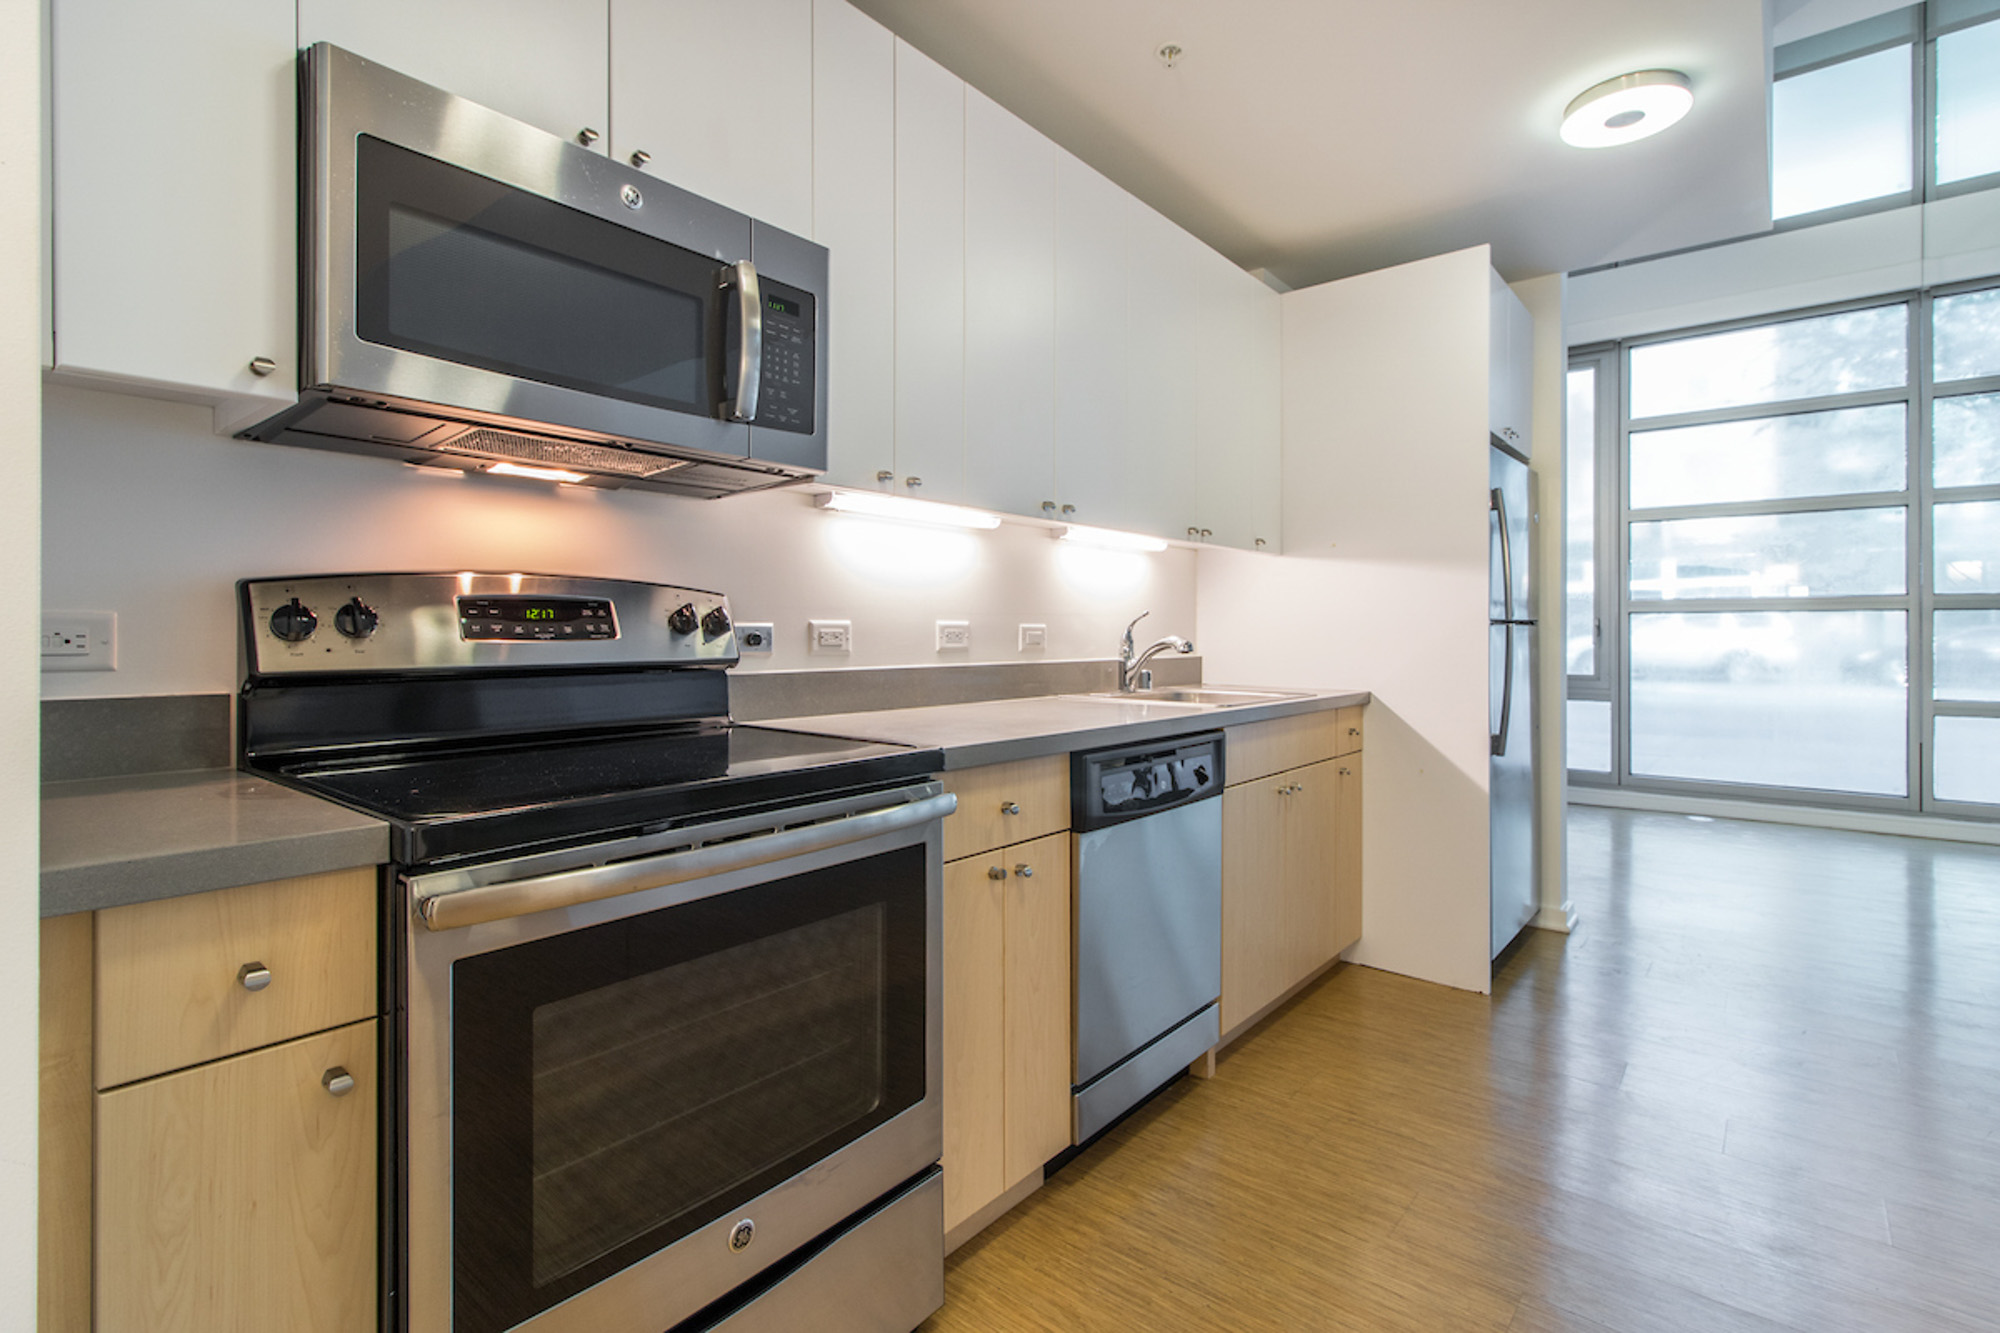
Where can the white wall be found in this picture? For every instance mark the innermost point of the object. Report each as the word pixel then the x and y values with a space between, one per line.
pixel 20 551
pixel 1383 587
pixel 149 514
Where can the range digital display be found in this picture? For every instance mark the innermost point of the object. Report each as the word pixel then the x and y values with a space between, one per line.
pixel 782 306
pixel 536 618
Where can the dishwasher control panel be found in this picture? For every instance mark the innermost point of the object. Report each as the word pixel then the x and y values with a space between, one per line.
pixel 1132 781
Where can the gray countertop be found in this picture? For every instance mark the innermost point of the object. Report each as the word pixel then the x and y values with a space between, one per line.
pixel 998 731
pixel 107 842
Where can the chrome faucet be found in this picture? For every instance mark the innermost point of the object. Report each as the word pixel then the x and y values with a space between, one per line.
pixel 1130 674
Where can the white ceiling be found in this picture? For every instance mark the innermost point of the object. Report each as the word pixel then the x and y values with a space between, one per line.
pixel 1319 138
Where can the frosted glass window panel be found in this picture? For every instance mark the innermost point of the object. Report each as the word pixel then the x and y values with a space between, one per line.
pixel 1965 662
pixel 1967 538
pixel 1967 759
pixel 1848 352
pixel 1841 134
pixel 1968 103
pixel 1965 440
pixel 1845 452
pixel 1807 699
pixel 1827 553
pixel 1580 523
pixel 1965 335
pixel 1587 730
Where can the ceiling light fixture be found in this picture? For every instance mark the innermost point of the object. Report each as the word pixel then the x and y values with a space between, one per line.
pixel 538 473
pixel 1109 539
pixel 1629 107
pixel 904 510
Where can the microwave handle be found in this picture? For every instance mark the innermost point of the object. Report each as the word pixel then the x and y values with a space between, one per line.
pixel 741 387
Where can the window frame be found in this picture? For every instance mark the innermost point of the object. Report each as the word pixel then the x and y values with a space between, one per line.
pixel 1600 684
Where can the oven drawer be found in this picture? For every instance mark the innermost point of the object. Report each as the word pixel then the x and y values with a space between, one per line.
pixel 185 980
pixel 1002 804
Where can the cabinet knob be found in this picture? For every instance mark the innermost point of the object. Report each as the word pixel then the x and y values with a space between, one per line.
pixel 587 136
pixel 1067 510
pixel 1261 543
pixel 885 475
pixel 1048 506
pixel 640 157
pixel 1193 533
pixel 1206 534
pixel 913 482
pixel 260 366
pixel 1354 731
pixel 1009 808
pixel 996 872
pixel 1024 870
pixel 337 1081
pixel 253 976
pixel 1346 772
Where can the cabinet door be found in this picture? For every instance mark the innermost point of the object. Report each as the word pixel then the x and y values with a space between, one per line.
pixel 975 1030
pixel 1038 1013
pixel 1510 373
pixel 541 61
pixel 241 1194
pixel 1347 852
pixel 1092 356
pixel 1310 840
pixel 930 277
pixel 175 147
pixel 1255 949
pixel 1163 307
pixel 1237 410
pixel 719 96
pixel 854 216
pixel 1010 216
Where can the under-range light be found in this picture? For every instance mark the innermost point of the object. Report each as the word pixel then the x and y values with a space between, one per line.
pixel 538 473
pixel 1629 107
pixel 1110 539
pixel 903 510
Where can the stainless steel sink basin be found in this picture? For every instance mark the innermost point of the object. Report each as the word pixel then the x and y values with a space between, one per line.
pixel 1196 697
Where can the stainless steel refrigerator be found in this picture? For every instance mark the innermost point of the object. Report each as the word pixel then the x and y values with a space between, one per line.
pixel 1511 696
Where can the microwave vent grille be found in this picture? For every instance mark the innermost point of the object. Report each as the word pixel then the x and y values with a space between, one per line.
pixel 487 443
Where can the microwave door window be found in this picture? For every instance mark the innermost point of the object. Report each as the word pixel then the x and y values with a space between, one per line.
pixel 462 268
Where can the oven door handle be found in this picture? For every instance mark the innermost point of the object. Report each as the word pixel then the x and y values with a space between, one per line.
pixel 568 888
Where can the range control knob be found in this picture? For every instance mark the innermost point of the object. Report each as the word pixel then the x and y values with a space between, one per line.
pixel 294 622
pixel 681 620
pixel 357 619
pixel 716 621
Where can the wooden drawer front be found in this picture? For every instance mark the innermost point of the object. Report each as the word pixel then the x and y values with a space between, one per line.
pixel 242 1194
pixel 1347 723
pixel 1259 749
pixel 1006 803
pixel 169 974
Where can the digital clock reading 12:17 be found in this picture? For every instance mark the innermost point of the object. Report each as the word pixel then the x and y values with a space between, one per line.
pixel 538 613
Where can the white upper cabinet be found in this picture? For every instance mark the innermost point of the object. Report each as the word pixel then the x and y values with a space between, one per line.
pixel 1162 309
pixel 1010 294
pixel 930 277
pixel 192 109
pixel 1237 394
pixel 541 61
pixel 1094 219
pixel 854 217
pixel 717 95
pixel 1510 376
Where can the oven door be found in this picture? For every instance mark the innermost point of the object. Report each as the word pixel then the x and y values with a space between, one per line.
pixel 624 1108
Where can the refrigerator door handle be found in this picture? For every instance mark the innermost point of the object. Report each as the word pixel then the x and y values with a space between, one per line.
pixel 1499 740
pixel 1498 505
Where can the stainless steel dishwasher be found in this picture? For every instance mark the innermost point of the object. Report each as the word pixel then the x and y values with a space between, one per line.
pixel 1148 837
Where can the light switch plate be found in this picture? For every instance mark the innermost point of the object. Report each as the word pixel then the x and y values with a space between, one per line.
pixel 830 636
pixel 79 641
pixel 953 635
pixel 1034 636
pixel 754 638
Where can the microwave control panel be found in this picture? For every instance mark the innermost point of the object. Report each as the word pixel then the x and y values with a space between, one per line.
pixel 787 393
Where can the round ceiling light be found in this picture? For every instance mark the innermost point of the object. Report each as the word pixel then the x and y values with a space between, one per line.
pixel 1629 107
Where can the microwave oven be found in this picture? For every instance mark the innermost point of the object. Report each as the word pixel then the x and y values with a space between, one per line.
pixel 477 293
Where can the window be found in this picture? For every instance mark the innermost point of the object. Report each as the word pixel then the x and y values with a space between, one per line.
pixel 1806 518
pixel 1841 133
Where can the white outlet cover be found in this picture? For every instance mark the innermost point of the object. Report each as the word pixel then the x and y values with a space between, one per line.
pixel 830 636
pixel 953 635
pixel 1034 636
pixel 79 641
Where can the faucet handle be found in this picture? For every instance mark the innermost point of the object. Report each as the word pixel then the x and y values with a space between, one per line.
pixel 1129 628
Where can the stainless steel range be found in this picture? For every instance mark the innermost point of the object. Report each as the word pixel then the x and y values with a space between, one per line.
pixel 666 989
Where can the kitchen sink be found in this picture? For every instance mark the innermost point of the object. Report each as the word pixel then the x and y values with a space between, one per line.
pixel 1196 697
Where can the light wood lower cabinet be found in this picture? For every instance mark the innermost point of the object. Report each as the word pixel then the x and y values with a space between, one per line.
pixel 1291 881
pixel 241 1194
pixel 1006 1019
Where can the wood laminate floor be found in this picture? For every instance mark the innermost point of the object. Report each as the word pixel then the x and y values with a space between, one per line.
pixel 1758 1090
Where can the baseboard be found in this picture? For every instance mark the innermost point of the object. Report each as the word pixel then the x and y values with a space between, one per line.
pixel 1810 816
pixel 1562 919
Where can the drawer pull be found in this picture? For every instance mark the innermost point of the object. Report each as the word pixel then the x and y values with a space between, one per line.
pixel 1347 772
pixel 1009 808
pixel 996 872
pixel 1354 731
pixel 337 1081
pixel 253 976
pixel 1024 870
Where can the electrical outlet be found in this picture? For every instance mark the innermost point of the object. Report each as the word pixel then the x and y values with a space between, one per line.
pixel 953 634
pixel 830 636
pixel 754 638
pixel 1034 636
pixel 79 641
